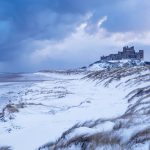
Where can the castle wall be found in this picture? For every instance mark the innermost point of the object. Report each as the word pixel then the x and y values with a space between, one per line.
pixel 127 53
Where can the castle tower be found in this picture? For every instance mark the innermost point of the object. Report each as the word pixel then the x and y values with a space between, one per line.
pixel 141 54
pixel 128 49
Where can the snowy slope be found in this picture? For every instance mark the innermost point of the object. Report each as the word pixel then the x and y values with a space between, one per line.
pixel 107 102
pixel 101 65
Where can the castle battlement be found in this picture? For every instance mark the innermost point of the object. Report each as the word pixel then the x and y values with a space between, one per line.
pixel 127 53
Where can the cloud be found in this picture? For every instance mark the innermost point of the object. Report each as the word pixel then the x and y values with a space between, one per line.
pixel 81 47
pixel 101 21
pixel 51 32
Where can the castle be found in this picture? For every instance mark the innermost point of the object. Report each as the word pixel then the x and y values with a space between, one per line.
pixel 127 53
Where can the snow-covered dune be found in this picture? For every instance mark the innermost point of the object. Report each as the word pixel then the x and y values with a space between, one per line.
pixel 101 65
pixel 105 109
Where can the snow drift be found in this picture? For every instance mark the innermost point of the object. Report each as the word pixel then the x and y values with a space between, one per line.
pixel 108 108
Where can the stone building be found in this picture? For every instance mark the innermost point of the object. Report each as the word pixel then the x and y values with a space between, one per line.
pixel 127 53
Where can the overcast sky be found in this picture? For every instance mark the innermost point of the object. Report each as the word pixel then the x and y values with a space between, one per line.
pixel 49 34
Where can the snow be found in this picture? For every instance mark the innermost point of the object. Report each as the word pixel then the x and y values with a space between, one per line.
pixel 86 102
pixel 55 103
pixel 101 65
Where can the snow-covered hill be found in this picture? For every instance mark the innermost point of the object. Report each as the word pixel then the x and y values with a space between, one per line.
pixel 100 65
pixel 77 110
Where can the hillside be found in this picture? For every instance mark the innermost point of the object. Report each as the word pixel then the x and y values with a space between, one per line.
pixel 107 108
pixel 101 65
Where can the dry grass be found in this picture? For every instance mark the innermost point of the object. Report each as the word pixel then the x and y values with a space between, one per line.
pixel 11 108
pixel 139 101
pixel 140 137
pixel 115 74
pixel 85 142
pixel 145 91
pixel 108 140
pixel 88 142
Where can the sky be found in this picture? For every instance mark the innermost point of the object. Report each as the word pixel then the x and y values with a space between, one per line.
pixel 58 34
